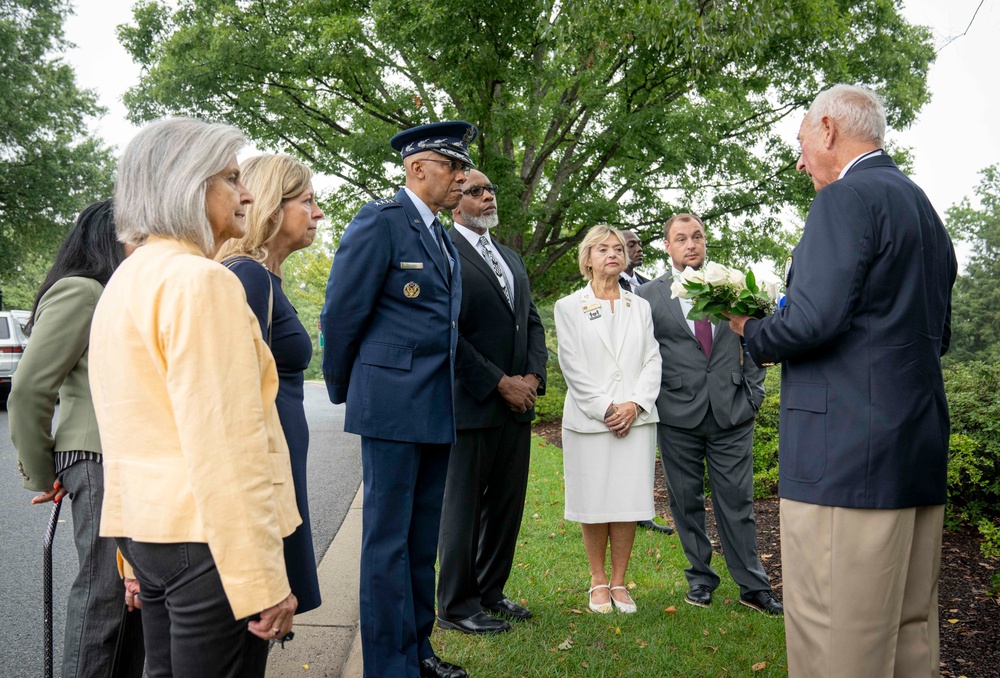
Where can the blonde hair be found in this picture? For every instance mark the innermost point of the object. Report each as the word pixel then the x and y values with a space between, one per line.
pixel 595 236
pixel 162 178
pixel 272 180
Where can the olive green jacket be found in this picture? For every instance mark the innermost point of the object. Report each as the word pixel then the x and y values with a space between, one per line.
pixel 55 364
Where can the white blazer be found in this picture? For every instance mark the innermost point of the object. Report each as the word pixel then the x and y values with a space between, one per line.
pixel 598 372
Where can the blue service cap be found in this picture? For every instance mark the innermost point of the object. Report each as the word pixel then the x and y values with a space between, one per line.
pixel 451 139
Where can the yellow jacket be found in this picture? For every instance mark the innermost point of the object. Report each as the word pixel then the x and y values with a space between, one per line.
pixel 184 388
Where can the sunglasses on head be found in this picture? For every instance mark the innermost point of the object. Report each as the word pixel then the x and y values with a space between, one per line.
pixel 476 191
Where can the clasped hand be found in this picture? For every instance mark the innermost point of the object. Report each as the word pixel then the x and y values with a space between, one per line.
pixel 519 391
pixel 619 418
pixel 275 622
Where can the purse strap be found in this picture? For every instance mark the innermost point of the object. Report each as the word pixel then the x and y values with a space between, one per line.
pixel 232 261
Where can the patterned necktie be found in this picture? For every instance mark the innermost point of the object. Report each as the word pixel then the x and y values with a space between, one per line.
pixel 703 333
pixel 491 259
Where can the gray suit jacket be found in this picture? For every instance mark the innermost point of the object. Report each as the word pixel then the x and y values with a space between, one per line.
pixel 690 380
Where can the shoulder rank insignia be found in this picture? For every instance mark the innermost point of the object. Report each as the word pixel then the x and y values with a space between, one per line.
pixel 385 202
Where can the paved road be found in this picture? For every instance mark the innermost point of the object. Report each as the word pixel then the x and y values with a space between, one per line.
pixel 334 476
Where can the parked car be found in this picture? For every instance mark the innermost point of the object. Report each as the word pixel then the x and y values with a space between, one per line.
pixel 12 343
pixel 21 316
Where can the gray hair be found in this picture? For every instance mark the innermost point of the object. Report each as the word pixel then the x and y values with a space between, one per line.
pixel 858 111
pixel 162 177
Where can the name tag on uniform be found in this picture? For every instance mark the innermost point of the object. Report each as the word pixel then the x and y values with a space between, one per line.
pixel 411 265
pixel 591 307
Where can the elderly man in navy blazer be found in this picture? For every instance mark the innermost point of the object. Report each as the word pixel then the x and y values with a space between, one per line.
pixel 864 422
pixel 391 327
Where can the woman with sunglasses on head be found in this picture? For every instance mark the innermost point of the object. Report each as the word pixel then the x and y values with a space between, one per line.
pixel 198 484
pixel 68 462
pixel 282 219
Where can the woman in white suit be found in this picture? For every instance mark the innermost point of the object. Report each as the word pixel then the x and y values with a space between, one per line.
pixel 611 363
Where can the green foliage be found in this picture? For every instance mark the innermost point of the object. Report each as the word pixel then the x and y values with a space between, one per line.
pixel 549 407
pixel 50 167
pixel 975 318
pixel 304 276
pixel 765 438
pixel 974 466
pixel 589 111
pixel 665 638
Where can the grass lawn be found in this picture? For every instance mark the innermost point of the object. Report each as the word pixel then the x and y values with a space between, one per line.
pixel 667 637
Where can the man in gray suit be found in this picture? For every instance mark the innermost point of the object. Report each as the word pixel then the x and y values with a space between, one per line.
pixel 706 415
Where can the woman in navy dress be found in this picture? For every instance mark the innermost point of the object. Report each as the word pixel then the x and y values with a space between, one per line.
pixel 282 219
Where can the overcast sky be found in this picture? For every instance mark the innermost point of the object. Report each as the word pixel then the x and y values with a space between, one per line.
pixel 952 140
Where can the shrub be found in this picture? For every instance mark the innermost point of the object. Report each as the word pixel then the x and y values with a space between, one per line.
pixel 974 464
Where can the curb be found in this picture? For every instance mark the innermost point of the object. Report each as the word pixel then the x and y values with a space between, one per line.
pixel 327 640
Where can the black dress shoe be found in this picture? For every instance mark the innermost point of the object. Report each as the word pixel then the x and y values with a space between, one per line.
pixel 699 595
pixel 763 601
pixel 432 667
pixel 655 527
pixel 505 607
pixel 478 623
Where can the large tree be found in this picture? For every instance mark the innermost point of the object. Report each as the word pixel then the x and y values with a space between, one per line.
pixel 589 111
pixel 50 167
pixel 976 300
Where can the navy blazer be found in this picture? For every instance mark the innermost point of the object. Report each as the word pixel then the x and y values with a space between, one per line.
pixel 864 420
pixel 493 339
pixel 390 326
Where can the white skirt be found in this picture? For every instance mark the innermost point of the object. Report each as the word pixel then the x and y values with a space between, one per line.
pixel 609 479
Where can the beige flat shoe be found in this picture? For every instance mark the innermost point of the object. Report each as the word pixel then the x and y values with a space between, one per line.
pixel 624 608
pixel 601 608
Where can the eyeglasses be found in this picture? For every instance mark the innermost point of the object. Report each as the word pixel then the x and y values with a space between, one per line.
pixel 476 191
pixel 453 165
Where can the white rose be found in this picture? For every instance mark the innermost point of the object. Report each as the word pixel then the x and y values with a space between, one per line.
pixel 737 279
pixel 772 289
pixel 716 275
pixel 769 285
pixel 692 275
pixel 677 290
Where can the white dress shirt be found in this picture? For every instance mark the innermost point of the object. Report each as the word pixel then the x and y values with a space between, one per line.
pixel 685 303
pixel 428 217
pixel 473 239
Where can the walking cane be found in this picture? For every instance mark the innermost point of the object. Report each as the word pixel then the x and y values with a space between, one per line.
pixel 50 534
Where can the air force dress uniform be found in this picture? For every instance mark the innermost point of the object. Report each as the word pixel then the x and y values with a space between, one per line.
pixel 390 327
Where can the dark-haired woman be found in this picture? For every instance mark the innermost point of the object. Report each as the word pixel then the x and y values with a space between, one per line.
pixel 68 462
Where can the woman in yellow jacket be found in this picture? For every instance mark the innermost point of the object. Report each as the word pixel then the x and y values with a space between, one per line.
pixel 198 486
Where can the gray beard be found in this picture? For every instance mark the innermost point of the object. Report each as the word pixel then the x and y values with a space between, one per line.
pixel 486 222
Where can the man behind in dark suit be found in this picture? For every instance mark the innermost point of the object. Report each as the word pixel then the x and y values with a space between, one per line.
pixel 706 417
pixel 499 370
pixel 864 421
pixel 630 279
pixel 391 327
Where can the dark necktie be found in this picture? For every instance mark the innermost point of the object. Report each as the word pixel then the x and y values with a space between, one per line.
pixel 439 236
pixel 703 333
pixel 624 284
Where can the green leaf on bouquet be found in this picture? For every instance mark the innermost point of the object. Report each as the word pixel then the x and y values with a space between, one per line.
pixel 751 281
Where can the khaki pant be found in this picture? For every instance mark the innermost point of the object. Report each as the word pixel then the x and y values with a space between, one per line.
pixel 861 590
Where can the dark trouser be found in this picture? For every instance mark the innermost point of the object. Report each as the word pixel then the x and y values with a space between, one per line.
pixel 729 453
pixel 188 623
pixel 483 503
pixel 97 596
pixel 404 487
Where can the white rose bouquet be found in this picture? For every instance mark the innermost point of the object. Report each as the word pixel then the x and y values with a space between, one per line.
pixel 715 289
